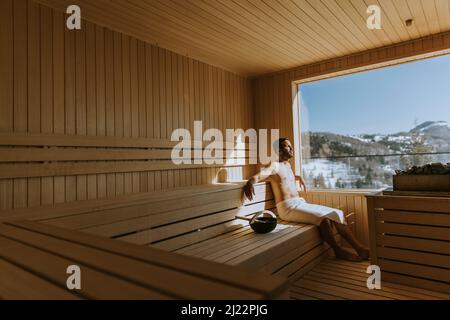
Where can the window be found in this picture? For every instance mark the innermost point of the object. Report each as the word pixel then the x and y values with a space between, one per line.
pixel 357 129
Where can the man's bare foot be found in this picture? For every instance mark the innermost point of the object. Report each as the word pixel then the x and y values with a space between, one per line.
pixel 364 253
pixel 345 254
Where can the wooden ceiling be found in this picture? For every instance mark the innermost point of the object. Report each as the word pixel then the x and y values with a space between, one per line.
pixel 254 37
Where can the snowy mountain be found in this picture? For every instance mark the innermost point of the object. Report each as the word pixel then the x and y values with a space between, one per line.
pixel 428 126
pixel 333 160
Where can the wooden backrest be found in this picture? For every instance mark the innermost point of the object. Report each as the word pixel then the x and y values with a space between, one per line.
pixel 168 219
pixel 50 155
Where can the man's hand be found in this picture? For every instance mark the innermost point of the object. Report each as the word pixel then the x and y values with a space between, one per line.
pixel 249 190
pixel 302 182
pixel 303 185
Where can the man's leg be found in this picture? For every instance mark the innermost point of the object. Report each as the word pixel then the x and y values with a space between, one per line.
pixel 345 231
pixel 326 230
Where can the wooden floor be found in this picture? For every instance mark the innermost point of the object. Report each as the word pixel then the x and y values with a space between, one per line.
pixel 341 280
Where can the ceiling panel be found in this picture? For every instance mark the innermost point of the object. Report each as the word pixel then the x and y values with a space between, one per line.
pixel 253 37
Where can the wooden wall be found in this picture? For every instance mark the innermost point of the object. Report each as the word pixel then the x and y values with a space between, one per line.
pixel 99 83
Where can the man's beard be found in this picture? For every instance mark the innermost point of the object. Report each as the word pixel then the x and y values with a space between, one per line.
pixel 286 156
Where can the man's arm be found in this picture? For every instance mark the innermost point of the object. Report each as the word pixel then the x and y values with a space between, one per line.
pixel 249 190
pixel 302 182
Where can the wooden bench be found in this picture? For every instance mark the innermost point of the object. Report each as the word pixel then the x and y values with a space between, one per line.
pixel 197 221
pixel 410 238
pixel 34 258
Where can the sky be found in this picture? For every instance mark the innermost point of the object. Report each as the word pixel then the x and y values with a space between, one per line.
pixel 386 100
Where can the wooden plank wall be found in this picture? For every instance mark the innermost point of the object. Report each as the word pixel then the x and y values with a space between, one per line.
pixel 96 82
pixel 273 100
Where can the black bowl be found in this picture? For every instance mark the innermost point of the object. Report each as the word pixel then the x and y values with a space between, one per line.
pixel 263 224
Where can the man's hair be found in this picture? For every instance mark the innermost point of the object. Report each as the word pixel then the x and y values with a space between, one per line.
pixel 277 144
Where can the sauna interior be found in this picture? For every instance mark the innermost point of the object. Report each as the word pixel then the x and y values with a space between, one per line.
pixel 92 203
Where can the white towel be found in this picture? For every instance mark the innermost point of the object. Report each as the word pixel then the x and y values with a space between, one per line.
pixel 298 210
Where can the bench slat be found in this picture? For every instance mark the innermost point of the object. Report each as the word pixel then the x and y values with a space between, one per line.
pixel 206 269
pixel 52 267
pixel 103 217
pixel 278 247
pixel 30 170
pixel 153 235
pixel 150 276
pixel 292 269
pixel 278 263
pixel 202 245
pixel 12 277
pixel 198 248
pixel 142 223
pixel 254 243
pixel 195 237
pixel 62 210
pixel 250 243
pixel 60 140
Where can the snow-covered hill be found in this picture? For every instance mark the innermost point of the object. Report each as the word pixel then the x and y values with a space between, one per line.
pixel 340 161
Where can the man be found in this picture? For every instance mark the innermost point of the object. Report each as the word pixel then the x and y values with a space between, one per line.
pixel 292 208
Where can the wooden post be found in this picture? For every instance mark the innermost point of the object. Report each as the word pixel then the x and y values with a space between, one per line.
pixel 372 230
